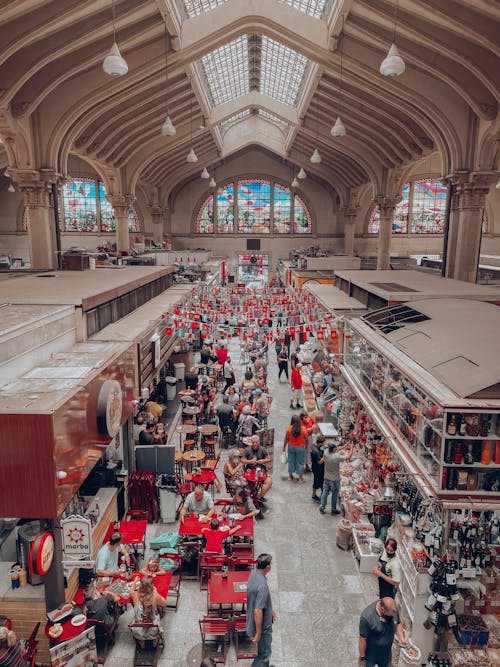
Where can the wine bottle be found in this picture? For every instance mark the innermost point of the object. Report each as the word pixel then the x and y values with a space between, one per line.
pixel 452 425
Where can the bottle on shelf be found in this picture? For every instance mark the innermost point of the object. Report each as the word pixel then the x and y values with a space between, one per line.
pixel 462 430
pixel 451 429
pixel 486 453
pixel 457 457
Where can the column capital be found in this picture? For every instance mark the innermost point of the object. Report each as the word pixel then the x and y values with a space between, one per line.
pixel 121 203
pixel 350 212
pixel 386 202
pixel 470 189
pixel 35 184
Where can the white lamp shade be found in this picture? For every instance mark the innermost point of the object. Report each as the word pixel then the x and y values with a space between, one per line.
pixel 295 183
pixel 338 130
pixel 114 64
pixel 302 173
pixel 204 173
pixel 393 64
pixel 11 188
pixel 213 183
pixel 497 186
pixel 168 129
pixel 191 156
pixel 315 157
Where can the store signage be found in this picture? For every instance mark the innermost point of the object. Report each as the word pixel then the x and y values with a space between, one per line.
pixel 41 553
pixel 109 408
pixel 76 537
pixel 83 564
pixel 81 650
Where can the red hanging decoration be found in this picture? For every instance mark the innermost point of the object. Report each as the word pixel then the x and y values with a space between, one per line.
pixel 168 331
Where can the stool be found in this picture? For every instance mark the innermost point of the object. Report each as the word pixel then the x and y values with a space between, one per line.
pixel 189 445
pixel 208 447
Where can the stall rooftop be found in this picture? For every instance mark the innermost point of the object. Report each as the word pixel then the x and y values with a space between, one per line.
pixel 381 288
pixel 334 299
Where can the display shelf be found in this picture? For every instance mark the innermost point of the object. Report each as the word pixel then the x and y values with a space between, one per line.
pixel 478 466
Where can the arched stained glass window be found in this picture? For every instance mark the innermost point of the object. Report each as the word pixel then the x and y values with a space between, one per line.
pixel 205 217
pixel 254 207
pixel 225 209
pixel 86 208
pixel 244 207
pixel 400 222
pixel 282 209
pixel 374 221
pixel 484 222
pixel 429 206
pixel 301 217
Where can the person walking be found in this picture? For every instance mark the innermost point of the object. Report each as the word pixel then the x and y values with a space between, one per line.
pixel 378 624
pixel 332 458
pixel 388 570
pixel 260 613
pixel 296 438
pixel 318 467
pixel 283 363
pixel 296 387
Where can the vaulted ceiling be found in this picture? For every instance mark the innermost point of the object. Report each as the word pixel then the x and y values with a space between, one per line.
pixel 235 73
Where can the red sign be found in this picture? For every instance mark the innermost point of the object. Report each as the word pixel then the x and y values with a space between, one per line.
pixel 41 553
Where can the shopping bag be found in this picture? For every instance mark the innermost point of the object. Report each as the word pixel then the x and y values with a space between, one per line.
pixel 284 457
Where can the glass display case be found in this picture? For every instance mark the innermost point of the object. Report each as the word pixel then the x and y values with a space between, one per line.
pixel 457 448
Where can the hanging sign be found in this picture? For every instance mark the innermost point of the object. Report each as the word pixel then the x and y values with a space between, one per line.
pixel 109 408
pixel 41 553
pixel 76 537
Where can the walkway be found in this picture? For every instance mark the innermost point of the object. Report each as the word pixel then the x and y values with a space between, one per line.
pixel 316 588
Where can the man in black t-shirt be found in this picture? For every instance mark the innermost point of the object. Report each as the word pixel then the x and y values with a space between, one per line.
pixel 191 379
pixel 378 624
pixel 146 437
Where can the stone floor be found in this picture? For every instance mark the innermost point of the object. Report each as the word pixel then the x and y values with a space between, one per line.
pixel 316 588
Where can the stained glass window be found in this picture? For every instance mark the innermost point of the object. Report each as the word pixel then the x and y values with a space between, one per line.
pixel 254 207
pixel 374 221
pixel 301 217
pixel 205 217
pixel 80 205
pixel 484 222
pixel 282 209
pixel 429 205
pixel 225 209
pixel 400 222
pixel 134 223
pixel 108 223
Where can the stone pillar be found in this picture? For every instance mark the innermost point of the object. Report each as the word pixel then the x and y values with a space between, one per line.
pixel 469 203
pixel 121 204
pixel 350 213
pixel 386 206
pixel 157 220
pixel 36 187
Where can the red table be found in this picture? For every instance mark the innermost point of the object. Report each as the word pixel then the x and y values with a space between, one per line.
pixel 133 533
pixel 221 591
pixel 161 581
pixel 69 630
pixel 193 526
pixel 204 477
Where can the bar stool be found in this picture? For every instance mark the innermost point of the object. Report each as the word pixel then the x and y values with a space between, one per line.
pixel 208 447
pixel 179 468
pixel 189 445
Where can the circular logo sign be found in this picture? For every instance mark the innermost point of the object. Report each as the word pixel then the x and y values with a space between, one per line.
pixel 41 553
pixel 109 408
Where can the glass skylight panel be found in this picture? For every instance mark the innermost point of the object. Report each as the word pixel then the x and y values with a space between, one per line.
pixel 269 116
pixel 226 71
pixel 282 71
pixel 197 7
pixel 312 7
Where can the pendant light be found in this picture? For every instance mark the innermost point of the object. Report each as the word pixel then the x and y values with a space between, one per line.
pixel 114 64
pixel 204 173
pixel 302 173
pixel 11 188
pixel 167 129
pixel 393 64
pixel 191 156
pixel 338 129
pixel 315 157
pixel 295 183
pixel 497 186
pixel 213 183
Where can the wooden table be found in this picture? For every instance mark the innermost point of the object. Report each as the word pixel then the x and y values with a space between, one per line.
pixel 191 410
pixel 133 534
pixel 208 429
pixel 187 429
pixel 193 526
pixel 227 591
pixel 193 458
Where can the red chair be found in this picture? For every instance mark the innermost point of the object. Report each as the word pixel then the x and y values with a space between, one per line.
pixel 210 562
pixel 183 490
pixel 241 563
pixel 242 550
pixel 245 649
pixel 174 590
pixel 215 638
pixel 32 647
pixel 136 515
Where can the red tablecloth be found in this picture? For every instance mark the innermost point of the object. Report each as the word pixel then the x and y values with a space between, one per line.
pixel 69 630
pixel 161 581
pixel 133 532
pixel 193 526
pixel 221 591
pixel 205 477
pixel 251 476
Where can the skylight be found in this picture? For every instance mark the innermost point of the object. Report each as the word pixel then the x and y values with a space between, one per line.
pixel 233 119
pixel 197 7
pixel 274 119
pixel 226 71
pixel 312 7
pixel 282 71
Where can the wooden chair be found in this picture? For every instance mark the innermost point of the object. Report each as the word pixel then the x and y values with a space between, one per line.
pixel 245 649
pixel 210 562
pixel 31 647
pixel 215 638
pixel 104 635
pixel 241 563
pixel 148 656
pixel 183 490
pixel 242 550
pixel 174 590
pixel 136 515
pixel 190 567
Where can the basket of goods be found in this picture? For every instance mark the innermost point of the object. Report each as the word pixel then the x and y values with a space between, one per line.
pixel 471 630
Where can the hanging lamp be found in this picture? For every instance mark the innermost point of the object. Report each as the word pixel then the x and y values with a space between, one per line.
pixel 213 183
pixel 295 183
pixel 204 173
pixel 113 63
pixel 393 64
pixel 338 128
pixel 11 188
pixel 167 129
pixel 191 156
pixel 497 186
pixel 302 173
pixel 315 157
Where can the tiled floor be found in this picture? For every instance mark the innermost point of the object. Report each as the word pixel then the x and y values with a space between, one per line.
pixel 316 588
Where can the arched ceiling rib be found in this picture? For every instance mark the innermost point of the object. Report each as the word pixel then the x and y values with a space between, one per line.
pixel 50 73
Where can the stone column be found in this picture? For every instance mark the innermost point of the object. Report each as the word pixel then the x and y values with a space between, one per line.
pixel 36 187
pixel 469 203
pixel 157 220
pixel 121 204
pixel 386 206
pixel 350 213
